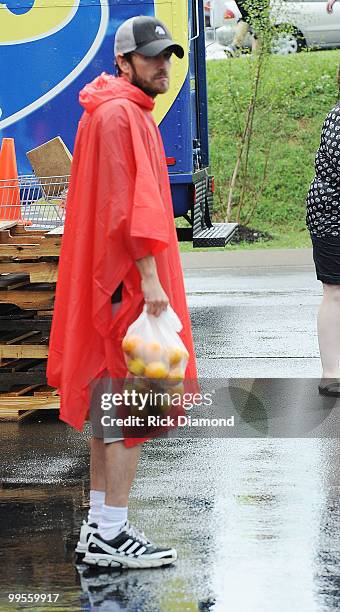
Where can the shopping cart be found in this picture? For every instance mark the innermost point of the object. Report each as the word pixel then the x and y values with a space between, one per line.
pixel 40 202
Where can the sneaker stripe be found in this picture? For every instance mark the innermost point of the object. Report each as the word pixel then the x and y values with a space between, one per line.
pixel 132 548
pixel 140 551
pixel 100 544
pixel 125 545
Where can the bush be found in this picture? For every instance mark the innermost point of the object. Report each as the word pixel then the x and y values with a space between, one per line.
pixel 295 94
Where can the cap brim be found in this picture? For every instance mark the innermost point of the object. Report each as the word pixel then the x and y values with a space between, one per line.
pixel 158 46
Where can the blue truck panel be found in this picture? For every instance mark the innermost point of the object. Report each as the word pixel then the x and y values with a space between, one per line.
pixel 51 49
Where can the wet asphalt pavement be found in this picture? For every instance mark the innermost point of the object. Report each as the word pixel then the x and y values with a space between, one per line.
pixel 254 516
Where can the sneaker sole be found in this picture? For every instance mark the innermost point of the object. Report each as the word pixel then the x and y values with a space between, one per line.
pixel 128 562
pixel 80 552
pixel 81 549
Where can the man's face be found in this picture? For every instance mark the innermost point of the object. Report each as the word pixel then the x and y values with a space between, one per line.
pixel 151 74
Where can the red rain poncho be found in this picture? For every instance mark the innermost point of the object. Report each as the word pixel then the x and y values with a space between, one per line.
pixel 119 209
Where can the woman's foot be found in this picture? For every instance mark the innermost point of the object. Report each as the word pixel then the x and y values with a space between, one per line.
pixel 330 386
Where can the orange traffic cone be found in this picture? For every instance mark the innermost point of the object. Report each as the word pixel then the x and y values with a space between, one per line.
pixel 10 208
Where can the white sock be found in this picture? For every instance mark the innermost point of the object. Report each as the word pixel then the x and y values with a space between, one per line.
pixel 111 521
pixel 97 499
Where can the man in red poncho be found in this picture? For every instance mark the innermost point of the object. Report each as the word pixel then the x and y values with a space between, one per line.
pixel 119 251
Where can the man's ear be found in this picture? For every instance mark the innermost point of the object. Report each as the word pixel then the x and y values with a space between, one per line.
pixel 123 64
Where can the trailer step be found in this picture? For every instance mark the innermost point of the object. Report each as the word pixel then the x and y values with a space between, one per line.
pixel 218 235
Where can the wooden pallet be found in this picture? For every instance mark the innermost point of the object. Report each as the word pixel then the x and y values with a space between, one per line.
pixel 13 492
pixel 26 280
pixel 24 399
pixel 38 272
pixel 16 408
pixel 28 273
pixel 23 344
pixel 35 390
pixel 19 399
pixel 50 247
pixel 23 347
pixel 29 320
pixel 28 299
pixel 20 243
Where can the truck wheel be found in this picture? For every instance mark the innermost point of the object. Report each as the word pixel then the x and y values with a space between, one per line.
pixel 287 40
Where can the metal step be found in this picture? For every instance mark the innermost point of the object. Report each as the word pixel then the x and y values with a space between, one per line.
pixel 218 235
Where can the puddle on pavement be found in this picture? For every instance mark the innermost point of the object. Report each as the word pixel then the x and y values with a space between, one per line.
pixel 37 556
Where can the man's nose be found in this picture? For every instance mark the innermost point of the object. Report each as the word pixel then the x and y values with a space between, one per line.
pixel 162 61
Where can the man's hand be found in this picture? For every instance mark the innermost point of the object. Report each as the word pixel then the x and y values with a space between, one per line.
pixel 155 297
pixel 329 7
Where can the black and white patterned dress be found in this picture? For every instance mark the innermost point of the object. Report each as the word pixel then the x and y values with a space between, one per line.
pixel 323 199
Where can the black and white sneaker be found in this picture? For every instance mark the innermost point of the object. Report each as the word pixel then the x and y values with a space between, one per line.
pixel 86 531
pixel 231 51
pixel 129 549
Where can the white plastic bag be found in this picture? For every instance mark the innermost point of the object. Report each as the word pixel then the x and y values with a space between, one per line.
pixel 153 349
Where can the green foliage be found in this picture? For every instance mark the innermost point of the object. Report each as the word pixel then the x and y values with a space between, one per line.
pixel 295 94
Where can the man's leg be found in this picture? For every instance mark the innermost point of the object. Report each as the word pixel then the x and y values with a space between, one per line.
pixel 116 543
pixel 117 465
pixel 242 29
pixel 97 480
pixel 120 470
pixel 97 458
pixel 119 544
pixel 255 46
pixel 97 495
pixel 97 465
pixel 329 331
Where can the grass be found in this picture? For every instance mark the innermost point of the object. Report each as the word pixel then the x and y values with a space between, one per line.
pixel 295 95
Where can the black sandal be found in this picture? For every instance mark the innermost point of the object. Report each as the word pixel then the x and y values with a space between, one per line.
pixel 332 389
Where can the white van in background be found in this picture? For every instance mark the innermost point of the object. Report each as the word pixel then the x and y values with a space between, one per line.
pixel 310 24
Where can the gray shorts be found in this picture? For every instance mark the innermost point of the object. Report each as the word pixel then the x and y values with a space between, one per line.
pixel 106 433
pixel 103 385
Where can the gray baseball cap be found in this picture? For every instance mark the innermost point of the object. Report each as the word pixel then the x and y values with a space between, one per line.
pixel 145 35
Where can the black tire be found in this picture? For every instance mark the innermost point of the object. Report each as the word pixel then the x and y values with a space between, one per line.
pixel 287 40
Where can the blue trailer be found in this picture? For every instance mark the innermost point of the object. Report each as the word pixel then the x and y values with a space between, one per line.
pixel 51 49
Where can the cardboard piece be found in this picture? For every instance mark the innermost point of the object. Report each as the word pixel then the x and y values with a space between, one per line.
pixel 51 159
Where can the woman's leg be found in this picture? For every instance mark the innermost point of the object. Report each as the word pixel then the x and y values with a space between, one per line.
pixel 329 331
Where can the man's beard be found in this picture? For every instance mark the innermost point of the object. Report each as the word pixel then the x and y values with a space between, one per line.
pixel 139 83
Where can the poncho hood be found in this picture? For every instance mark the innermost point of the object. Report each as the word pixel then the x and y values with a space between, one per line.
pixel 107 87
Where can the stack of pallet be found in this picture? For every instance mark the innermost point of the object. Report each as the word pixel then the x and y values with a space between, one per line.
pixel 28 274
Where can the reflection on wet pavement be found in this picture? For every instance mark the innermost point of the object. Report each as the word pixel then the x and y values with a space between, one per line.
pixel 255 322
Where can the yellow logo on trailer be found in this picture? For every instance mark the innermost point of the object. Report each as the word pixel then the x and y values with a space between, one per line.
pixel 175 16
pixel 43 19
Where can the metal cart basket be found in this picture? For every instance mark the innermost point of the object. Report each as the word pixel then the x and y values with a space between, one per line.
pixel 40 202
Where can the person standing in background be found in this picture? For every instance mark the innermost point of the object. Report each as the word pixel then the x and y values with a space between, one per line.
pixel 323 222
pixel 252 21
